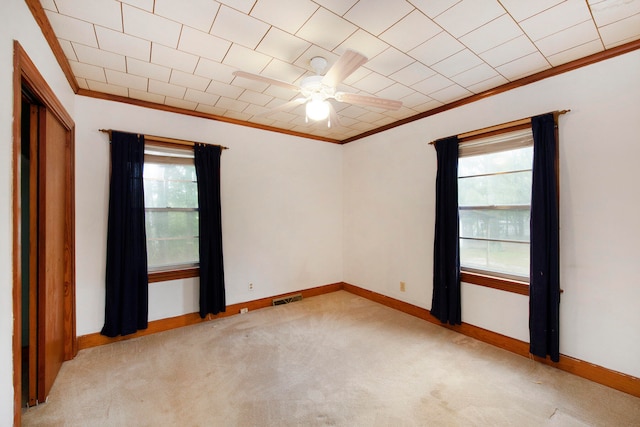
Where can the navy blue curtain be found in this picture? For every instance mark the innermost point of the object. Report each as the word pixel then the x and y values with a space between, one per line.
pixel 544 287
pixel 445 304
pixel 126 305
pixel 212 293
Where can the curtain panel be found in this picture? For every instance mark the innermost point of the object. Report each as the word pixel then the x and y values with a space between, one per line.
pixel 126 302
pixel 212 290
pixel 445 304
pixel 544 286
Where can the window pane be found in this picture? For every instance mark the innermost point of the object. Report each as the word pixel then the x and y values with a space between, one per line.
pixel 169 185
pixel 171 252
pixel 166 224
pixel 502 257
pixel 497 224
pixel 519 159
pixel 505 189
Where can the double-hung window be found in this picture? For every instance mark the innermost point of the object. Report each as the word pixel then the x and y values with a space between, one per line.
pixel 171 209
pixel 494 202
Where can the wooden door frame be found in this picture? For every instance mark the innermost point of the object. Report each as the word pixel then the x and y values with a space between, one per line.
pixel 26 74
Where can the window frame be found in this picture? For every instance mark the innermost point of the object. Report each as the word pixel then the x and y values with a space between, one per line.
pixel 475 277
pixel 184 271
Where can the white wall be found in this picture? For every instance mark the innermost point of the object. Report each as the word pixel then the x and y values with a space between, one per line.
pixel 16 23
pixel 281 209
pixel 389 200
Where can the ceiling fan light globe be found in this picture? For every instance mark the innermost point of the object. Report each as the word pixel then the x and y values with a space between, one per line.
pixel 317 109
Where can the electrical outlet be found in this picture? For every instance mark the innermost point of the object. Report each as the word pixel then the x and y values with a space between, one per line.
pixel 403 287
pixel 244 310
pixel 250 286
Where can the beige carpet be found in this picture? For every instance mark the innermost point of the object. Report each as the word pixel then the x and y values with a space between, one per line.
pixel 332 360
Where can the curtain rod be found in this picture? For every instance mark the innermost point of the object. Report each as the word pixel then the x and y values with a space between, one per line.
pixel 163 139
pixel 502 126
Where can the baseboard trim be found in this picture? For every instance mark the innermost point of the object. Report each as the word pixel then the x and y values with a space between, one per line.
pixel 610 378
pixel 96 339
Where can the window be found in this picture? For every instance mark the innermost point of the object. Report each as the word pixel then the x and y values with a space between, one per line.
pixel 171 208
pixel 494 198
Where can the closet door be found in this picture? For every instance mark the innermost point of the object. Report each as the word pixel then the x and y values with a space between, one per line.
pixel 52 249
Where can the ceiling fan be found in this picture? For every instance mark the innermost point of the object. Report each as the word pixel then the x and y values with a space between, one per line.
pixel 317 90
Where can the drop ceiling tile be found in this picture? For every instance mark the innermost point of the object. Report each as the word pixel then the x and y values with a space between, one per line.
pixel 364 43
pixel 509 51
pixel 450 94
pixel 254 110
pixel 432 84
pixel 566 39
pixel 395 91
pixel 203 44
pixel 106 88
pixel 173 58
pixel 250 84
pixel 198 14
pixel 620 32
pixel 166 89
pixel 181 78
pixel 373 83
pixel 231 104
pixel 245 59
pixel 255 98
pixel 608 12
pixel 375 16
pixel 353 111
pixel 283 117
pixel 150 27
pixel 82 83
pixel 243 6
pixel 524 66
pixel 49 5
pixel 214 70
pixel 208 109
pixel 101 58
pixel 411 101
pixel 101 12
pixel 143 95
pixel 389 61
pixel 576 52
pixel 429 105
pixel 72 29
pixel 118 78
pixel 457 63
pixel 468 15
pixel 146 69
pixel 200 97
pixel 67 48
pixel 239 28
pixel 288 15
pixel 436 49
pixel 180 103
pixel 326 29
pixel 475 75
pixel 492 34
pixel 283 71
pixel 357 75
pixel 411 31
pixel 223 89
pixel 259 119
pixel 124 44
pixel 86 71
pixel 280 93
pixel 282 45
pixel 339 7
pixel 372 117
pixel 413 74
pixel 564 15
pixel 491 83
pixel 140 4
pixel 237 115
pixel 433 8
pixel 521 10
pixel 313 51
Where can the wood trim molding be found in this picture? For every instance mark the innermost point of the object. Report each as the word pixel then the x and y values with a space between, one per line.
pixel 514 286
pixel 163 276
pixel 616 380
pixel 96 339
pixel 47 30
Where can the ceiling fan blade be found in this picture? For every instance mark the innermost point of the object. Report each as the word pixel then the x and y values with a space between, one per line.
pixel 264 79
pixel 284 107
pixel 334 119
pixel 343 67
pixel 369 101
